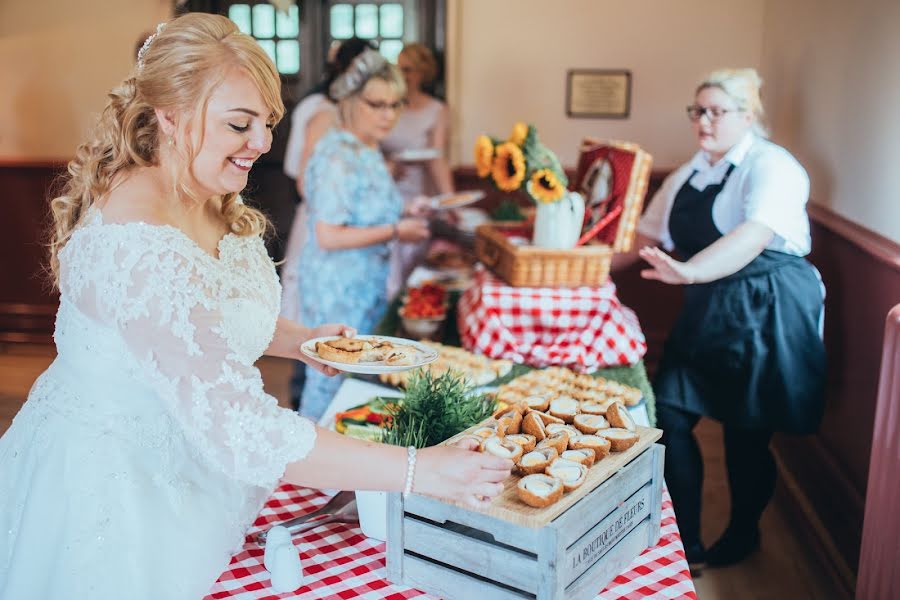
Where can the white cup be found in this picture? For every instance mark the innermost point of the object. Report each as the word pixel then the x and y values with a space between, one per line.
pixel 372 508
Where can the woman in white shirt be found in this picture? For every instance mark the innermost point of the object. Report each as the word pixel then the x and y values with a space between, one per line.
pixel 746 349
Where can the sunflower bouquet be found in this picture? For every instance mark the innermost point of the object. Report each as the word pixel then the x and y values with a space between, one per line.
pixel 521 159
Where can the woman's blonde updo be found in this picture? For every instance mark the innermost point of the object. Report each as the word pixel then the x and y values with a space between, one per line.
pixel 742 85
pixel 368 65
pixel 178 70
pixel 422 59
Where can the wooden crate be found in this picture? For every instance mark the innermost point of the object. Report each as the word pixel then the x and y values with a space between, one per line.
pixel 571 549
pixel 541 267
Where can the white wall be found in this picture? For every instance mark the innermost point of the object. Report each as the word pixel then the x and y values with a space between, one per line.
pixel 507 61
pixel 58 58
pixel 832 72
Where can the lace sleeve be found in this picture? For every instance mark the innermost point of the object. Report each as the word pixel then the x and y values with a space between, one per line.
pixel 182 318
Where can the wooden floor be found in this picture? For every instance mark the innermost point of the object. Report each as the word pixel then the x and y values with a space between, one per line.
pixel 782 569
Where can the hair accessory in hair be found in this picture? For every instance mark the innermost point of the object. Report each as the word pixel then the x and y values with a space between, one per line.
pixel 147 42
pixel 357 74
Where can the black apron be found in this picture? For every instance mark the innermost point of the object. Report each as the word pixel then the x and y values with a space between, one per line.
pixel 745 349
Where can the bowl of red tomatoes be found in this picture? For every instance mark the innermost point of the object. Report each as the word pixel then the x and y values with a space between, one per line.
pixel 424 309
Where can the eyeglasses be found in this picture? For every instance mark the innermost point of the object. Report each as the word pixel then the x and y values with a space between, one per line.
pixel 383 106
pixel 695 112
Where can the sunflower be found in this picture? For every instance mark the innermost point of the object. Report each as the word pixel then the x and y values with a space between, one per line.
pixel 519 133
pixel 545 186
pixel 509 167
pixel 484 155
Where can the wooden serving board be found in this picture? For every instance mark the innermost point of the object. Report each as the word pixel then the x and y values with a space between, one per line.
pixel 508 507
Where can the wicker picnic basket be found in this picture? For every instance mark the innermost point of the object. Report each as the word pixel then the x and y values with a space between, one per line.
pixel 613 178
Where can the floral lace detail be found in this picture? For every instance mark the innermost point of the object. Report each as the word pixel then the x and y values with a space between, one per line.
pixel 150 302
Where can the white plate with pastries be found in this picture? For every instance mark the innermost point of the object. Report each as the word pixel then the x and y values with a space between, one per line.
pixel 369 354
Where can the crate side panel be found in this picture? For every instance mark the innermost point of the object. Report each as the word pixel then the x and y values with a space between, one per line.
pixel 453 585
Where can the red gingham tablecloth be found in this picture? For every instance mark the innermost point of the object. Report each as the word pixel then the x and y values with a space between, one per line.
pixel 584 328
pixel 342 563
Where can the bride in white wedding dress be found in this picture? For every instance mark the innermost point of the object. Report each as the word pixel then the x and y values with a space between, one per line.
pixel 148 446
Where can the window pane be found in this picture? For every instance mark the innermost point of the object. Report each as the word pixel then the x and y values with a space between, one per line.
pixel 342 21
pixel 263 21
pixel 288 57
pixel 240 14
pixel 392 20
pixel 366 21
pixel 288 25
pixel 269 47
pixel 390 49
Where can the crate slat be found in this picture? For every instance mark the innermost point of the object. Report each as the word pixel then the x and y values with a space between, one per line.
pixel 452 585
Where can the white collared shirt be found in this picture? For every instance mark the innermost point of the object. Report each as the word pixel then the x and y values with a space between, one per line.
pixel 767 186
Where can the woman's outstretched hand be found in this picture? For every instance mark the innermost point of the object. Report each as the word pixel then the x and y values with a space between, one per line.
pixel 461 473
pixel 327 330
pixel 665 268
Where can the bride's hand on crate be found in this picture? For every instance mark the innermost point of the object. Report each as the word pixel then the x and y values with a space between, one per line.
pixel 461 473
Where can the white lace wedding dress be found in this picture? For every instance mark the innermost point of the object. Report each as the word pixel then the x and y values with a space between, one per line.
pixel 148 446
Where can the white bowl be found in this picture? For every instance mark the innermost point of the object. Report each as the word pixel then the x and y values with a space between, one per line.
pixel 422 327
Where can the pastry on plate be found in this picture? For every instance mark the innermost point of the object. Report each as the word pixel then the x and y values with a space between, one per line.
pixel 343 350
pixel 539 490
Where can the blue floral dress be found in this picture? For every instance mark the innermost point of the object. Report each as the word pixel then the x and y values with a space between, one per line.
pixel 347 183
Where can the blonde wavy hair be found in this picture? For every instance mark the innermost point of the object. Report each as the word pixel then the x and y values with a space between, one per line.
pixel 179 69
pixel 743 86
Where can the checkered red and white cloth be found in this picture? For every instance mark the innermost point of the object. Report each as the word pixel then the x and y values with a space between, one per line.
pixel 341 563
pixel 584 328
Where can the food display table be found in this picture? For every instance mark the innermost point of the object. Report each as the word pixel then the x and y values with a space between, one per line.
pixel 584 328
pixel 341 563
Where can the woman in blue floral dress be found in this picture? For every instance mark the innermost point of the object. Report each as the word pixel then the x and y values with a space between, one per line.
pixel 355 210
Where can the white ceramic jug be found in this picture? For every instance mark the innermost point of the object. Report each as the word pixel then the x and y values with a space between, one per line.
pixel 558 224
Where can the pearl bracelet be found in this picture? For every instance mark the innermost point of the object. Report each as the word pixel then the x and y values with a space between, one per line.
pixel 410 470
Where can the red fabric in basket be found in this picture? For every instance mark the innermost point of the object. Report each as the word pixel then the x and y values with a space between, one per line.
pixel 621 163
pixel 583 328
pixel 343 563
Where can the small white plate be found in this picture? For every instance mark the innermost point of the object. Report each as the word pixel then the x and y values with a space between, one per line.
pixel 426 355
pixel 455 199
pixel 416 154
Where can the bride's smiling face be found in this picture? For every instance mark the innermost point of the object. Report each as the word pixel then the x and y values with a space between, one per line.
pixel 236 131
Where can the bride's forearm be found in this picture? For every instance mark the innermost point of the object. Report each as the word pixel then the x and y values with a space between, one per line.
pixel 374 466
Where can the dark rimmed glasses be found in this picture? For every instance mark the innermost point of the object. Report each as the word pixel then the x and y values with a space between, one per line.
pixel 695 112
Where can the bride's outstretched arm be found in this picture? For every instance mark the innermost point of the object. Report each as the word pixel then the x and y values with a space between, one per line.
pixel 339 462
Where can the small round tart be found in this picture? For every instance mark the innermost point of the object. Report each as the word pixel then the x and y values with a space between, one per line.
pixel 600 445
pixel 587 423
pixel 344 350
pixel 572 474
pixel 587 395
pixel 535 461
pixel 559 441
pixel 618 416
pixel 539 490
pixel 565 408
pixel 584 456
pixel 537 402
pixel 557 427
pixel 632 396
pixel 523 439
pixel 532 424
pixel 585 382
pixel 489 428
pixel 500 447
pixel 619 439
